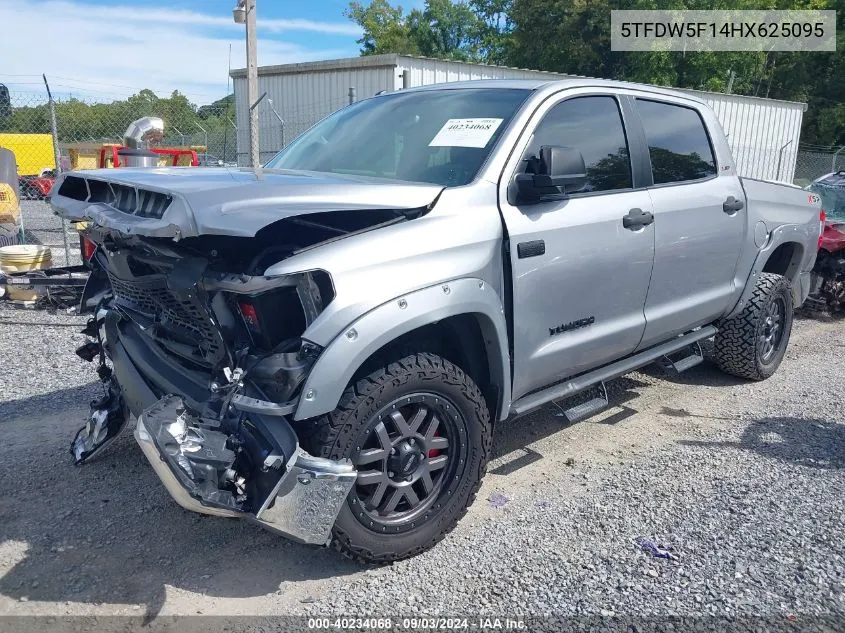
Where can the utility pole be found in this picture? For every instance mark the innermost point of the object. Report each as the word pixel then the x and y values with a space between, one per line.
pixel 252 81
pixel 244 12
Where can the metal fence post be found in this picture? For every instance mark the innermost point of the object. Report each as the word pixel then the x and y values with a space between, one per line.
pixel 351 95
pixel 281 121
pixel 58 157
pixel 833 162
pixel 780 156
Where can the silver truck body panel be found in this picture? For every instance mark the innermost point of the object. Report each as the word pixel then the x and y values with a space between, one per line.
pixel 458 238
pixel 360 339
pixel 584 242
pixel 787 215
pixel 238 202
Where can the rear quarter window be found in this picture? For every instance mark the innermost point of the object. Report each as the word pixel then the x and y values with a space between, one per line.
pixel 678 144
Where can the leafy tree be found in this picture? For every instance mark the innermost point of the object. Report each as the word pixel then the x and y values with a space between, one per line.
pixel 386 30
pixel 442 28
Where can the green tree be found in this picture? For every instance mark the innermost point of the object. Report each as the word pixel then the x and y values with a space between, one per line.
pixel 386 29
pixel 442 28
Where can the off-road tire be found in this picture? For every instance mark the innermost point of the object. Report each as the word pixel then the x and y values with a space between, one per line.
pixel 336 434
pixel 736 347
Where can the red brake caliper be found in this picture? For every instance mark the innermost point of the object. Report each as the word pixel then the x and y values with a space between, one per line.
pixel 434 452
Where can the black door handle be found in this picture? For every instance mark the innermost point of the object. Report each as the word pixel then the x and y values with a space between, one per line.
pixel 637 218
pixel 732 205
pixel 530 249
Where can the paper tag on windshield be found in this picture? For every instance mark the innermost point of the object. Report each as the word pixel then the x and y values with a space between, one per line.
pixel 465 133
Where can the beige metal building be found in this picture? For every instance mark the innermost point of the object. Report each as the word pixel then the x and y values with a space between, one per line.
pixel 763 133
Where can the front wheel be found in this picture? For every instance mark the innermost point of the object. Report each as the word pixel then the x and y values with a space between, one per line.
pixel 752 343
pixel 418 431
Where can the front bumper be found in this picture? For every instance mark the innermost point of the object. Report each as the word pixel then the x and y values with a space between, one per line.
pixel 303 506
pixel 300 495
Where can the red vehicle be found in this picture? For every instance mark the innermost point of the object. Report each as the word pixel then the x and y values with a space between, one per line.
pixel 828 287
pixel 37 187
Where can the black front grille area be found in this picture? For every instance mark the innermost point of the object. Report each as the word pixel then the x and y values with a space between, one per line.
pixel 182 325
pixel 139 202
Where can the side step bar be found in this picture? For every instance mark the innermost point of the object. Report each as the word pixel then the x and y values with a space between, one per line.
pixel 674 367
pixel 528 403
pixel 586 409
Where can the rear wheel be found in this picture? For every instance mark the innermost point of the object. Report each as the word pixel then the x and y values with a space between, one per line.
pixel 418 431
pixel 752 344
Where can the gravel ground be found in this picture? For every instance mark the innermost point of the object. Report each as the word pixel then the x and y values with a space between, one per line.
pixel 743 481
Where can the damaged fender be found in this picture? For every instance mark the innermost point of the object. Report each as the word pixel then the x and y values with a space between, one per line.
pixel 335 367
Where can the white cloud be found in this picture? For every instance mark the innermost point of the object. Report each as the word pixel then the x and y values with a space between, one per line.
pixel 165 15
pixel 112 51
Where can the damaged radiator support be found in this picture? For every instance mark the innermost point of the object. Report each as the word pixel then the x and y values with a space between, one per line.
pixel 194 460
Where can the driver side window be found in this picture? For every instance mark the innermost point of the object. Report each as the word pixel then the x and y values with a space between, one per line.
pixel 592 125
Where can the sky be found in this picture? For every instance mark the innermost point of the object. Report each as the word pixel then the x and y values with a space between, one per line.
pixel 100 51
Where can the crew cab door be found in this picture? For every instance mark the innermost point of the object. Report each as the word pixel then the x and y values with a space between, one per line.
pixel 700 219
pixel 579 276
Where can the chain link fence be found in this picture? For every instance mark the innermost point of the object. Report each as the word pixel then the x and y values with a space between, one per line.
pixel 276 131
pixel 85 133
pixel 814 161
pixel 88 133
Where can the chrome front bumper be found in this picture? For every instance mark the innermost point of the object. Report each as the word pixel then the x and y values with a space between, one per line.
pixel 303 506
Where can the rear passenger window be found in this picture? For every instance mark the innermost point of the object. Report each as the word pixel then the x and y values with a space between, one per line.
pixel 677 142
pixel 593 126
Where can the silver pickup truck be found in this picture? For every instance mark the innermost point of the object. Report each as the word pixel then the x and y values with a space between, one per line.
pixel 323 345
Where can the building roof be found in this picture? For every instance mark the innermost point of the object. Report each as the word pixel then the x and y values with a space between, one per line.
pixel 392 60
pixel 368 61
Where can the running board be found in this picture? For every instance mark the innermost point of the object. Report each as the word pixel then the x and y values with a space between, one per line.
pixel 696 357
pixel 528 403
pixel 587 409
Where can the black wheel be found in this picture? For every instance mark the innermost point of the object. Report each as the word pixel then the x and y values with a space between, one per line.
pixel 418 431
pixel 752 344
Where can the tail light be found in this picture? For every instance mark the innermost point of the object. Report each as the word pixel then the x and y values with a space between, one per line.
pixel 822 218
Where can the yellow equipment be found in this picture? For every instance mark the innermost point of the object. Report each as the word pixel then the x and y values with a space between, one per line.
pixel 33 152
pixel 10 210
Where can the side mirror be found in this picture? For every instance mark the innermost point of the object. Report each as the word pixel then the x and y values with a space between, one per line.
pixel 558 169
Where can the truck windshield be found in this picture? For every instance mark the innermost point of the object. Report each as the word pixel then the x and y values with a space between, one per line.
pixel 435 136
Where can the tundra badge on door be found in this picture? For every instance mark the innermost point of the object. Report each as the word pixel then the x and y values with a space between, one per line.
pixel 572 325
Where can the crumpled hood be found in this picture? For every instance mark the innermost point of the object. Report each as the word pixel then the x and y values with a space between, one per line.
pixel 238 202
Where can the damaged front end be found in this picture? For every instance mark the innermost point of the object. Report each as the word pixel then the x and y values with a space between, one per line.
pixel 200 345
pixel 208 355
pixel 207 469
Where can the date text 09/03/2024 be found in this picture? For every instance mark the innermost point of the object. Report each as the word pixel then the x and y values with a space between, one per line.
pixel 417 623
